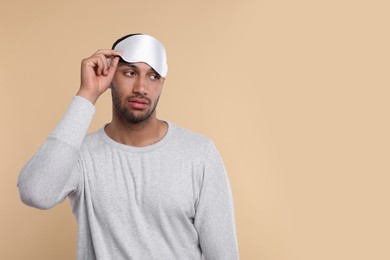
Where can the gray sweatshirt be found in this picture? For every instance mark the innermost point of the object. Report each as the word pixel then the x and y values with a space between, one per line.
pixel 169 200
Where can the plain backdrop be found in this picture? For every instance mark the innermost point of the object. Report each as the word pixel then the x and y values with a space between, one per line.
pixel 295 94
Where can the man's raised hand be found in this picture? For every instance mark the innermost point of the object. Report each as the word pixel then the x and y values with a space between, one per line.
pixel 97 73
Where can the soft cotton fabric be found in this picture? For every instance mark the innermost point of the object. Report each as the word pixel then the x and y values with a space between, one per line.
pixel 169 200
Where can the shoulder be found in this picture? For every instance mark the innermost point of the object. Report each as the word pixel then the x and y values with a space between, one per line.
pixel 92 140
pixel 187 134
pixel 189 140
pixel 189 137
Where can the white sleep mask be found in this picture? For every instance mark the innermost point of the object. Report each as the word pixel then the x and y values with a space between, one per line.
pixel 144 48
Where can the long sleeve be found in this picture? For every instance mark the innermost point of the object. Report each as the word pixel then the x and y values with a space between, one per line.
pixel 214 219
pixel 53 172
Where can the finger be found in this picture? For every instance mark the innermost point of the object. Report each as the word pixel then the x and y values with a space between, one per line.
pixel 102 65
pixel 114 65
pixel 93 63
pixel 99 65
pixel 108 53
pixel 99 61
pixel 104 62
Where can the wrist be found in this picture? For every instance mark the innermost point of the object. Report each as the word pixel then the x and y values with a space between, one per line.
pixel 90 97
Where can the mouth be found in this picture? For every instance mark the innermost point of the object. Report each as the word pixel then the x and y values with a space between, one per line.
pixel 138 103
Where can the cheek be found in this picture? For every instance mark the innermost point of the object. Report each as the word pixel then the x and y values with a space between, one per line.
pixel 116 92
pixel 157 88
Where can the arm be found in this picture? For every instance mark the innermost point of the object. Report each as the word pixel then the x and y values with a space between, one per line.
pixel 52 173
pixel 214 218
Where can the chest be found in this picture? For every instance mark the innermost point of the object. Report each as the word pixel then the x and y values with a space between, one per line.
pixel 126 186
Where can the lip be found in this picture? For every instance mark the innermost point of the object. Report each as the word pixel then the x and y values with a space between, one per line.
pixel 138 103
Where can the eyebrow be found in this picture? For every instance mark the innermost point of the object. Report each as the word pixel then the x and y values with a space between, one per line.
pixel 133 66
pixel 126 64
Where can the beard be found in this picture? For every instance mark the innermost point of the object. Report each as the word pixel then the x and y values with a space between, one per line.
pixel 126 115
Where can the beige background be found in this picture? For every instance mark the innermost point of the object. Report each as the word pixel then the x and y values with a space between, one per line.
pixel 294 93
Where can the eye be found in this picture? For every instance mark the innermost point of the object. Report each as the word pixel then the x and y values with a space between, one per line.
pixel 130 73
pixel 154 77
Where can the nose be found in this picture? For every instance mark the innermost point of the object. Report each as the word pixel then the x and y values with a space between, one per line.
pixel 140 86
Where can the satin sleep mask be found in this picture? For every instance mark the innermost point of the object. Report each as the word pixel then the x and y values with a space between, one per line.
pixel 143 48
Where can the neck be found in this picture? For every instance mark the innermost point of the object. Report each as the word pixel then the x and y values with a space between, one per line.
pixel 139 134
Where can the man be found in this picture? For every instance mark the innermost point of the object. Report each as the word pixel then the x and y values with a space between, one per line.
pixel 140 187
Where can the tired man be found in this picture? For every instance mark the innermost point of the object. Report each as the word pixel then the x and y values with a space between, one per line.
pixel 140 188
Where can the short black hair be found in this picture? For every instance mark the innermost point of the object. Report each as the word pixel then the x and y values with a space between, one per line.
pixel 122 38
